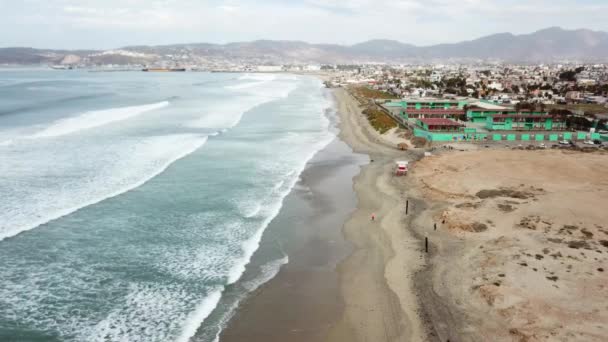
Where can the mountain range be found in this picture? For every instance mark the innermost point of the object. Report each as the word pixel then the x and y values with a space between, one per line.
pixel 547 45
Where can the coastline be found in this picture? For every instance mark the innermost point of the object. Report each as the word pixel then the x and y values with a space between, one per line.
pixel 303 301
pixel 377 278
pixel 348 279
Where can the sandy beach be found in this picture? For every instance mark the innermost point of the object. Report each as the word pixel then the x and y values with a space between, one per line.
pixel 518 246
pixel 520 249
pixel 377 278
pixel 362 293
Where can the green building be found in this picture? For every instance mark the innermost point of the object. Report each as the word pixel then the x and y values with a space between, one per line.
pixel 479 112
pixel 429 108
pixel 446 130
pixel 439 125
pixel 525 122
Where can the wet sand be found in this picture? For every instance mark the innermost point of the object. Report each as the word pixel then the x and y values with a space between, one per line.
pixel 519 251
pixel 303 301
pixel 348 279
pixel 377 278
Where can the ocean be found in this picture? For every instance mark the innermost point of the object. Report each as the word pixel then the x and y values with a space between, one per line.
pixel 132 203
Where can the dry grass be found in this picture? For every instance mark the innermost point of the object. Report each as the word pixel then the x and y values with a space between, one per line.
pixel 371 94
pixel 588 108
pixel 379 120
pixel 419 142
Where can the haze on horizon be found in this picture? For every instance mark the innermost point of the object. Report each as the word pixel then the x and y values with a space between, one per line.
pixel 104 24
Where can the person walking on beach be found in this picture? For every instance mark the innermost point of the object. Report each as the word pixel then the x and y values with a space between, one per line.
pixel 373 217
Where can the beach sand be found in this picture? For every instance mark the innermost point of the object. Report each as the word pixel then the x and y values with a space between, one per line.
pixel 521 247
pixel 377 278
pixel 518 253
pixel 348 281
pixel 303 301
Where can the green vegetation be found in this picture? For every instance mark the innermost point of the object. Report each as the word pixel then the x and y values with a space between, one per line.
pixel 370 94
pixel 570 75
pixel 381 121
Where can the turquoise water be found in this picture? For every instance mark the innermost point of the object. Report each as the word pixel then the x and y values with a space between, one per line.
pixel 130 201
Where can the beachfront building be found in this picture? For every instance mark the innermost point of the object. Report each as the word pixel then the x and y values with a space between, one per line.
pixel 479 112
pixel 439 125
pixel 423 108
pixel 525 122
pixel 445 130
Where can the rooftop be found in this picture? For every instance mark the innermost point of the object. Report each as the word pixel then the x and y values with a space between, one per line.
pixel 436 111
pixel 522 116
pixel 487 106
pixel 429 99
pixel 439 122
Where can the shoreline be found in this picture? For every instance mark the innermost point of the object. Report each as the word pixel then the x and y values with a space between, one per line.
pixel 377 278
pixel 303 301
pixel 360 289
pixel 478 281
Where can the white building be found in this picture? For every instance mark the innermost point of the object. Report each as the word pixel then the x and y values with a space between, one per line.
pixel 269 68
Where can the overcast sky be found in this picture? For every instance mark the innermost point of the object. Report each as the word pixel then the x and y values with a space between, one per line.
pixel 104 24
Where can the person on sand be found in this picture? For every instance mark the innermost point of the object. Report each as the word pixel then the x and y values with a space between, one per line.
pixel 373 217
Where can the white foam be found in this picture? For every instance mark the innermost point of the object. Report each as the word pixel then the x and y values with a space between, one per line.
pixel 254 210
pixel 267 272
pixel 278 185
pixel 229 114
pixel 143 315
pixel 167 149
pixel 96 118
pixel 252 244
pixel 271 210
pixel 196 318
pixel 258 77
pixel 226 115
pixel 154 312
pixel 245 85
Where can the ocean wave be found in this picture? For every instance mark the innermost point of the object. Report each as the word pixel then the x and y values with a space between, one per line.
pixel 272 210
pixel 267 272
pixel 199 315
pixel 180 146
pixel 262 91
pixel 47 104
pixel 245 85
pixel 96 118
pixel 258 77
pixel 194 275
pixel 267 209
pixel 143 315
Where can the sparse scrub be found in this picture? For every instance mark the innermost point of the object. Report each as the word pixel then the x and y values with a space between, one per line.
pixel 379 120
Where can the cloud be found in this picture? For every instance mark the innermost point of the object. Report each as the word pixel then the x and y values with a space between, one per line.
pixel 114 23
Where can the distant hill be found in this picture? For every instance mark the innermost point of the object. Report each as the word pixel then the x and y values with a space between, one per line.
pixel 546 45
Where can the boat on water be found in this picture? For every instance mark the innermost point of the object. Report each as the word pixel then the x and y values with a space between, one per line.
pixel 163 69
pixel 62 67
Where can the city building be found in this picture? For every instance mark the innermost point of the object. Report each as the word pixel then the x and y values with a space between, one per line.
pixel 522 121
pixel 480 112
pixel 422 108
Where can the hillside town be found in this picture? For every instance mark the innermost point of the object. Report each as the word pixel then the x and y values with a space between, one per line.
pixel 556 104
pixel 503 84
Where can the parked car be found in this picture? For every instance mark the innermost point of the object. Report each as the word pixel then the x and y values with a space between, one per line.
pixel 564 142
pixel 589 142
pixel 597 142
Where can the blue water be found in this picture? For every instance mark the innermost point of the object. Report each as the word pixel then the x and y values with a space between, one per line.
pixel 129 201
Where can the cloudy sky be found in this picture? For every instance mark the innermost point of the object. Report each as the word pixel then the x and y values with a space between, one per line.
pixel 114 23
